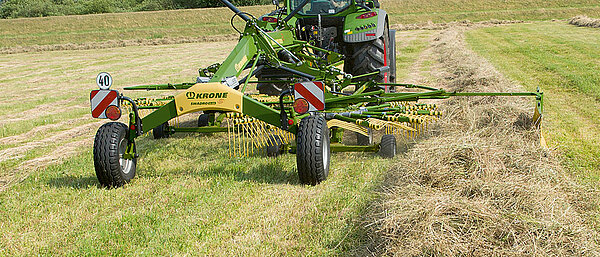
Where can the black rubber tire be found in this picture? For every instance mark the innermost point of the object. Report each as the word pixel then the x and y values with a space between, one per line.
pixel 364 140
pixel 110 141
pixel 387 148
pixel 313 154
pixel 367 57
pixel 274 146
pixel 203 120
pixel 161 131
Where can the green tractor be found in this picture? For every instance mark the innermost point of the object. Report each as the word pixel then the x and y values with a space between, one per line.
pixel 357 29
pixel 321 67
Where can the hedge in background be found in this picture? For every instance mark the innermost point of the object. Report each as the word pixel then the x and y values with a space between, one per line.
pixel 39 8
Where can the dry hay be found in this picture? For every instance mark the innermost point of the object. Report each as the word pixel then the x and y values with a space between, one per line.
pixel 584 21
pixel 118 43
pixel 440 26
pixel 480 185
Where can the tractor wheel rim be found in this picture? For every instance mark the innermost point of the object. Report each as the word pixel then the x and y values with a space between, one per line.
pixel 326 154
pixel 126 164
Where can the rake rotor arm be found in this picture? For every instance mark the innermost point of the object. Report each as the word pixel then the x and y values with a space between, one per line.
pixel 538 95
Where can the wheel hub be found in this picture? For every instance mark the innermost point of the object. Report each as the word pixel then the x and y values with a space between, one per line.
pixel 126 164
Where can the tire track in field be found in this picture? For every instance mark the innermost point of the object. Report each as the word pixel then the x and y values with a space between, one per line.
pixel 415 74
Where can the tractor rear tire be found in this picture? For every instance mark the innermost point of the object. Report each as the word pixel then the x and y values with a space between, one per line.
pixel 162 131
pixel 313 154
pixel 110 144
pixel 367 57
pixel 387 148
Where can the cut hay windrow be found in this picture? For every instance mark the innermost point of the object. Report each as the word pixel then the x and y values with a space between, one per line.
pixel 584 21
pixel 486 187
pixel 117 43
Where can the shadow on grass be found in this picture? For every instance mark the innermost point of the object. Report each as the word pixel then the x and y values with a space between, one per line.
pixel 272 173
pixel 73 182
pixel 262 173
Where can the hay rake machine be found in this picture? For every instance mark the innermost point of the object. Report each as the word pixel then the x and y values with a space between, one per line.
pixel 321 67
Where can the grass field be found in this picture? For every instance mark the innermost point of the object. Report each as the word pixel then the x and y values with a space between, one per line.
pixel 190 198
pixel 563 60
pixel 215 21
pixel 190 201
pixel 184 199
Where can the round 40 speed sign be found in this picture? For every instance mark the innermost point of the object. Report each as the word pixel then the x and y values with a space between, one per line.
pixel 104 80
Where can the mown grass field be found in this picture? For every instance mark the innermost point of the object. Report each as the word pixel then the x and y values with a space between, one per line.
pixel 188 196
pixel 187 200
pixel 215 21
pixel 562 60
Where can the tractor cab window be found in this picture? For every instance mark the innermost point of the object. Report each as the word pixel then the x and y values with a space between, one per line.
pixel 323 7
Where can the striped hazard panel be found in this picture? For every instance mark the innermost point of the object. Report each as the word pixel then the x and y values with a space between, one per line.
pixel 102 99
pixel 312 91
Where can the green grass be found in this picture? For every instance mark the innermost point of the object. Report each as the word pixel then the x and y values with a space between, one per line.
pixel 187 200
pixel 215 21
pixel 563 61
pixel 188 195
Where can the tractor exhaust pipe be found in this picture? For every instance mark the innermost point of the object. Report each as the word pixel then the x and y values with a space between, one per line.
pixel 236 10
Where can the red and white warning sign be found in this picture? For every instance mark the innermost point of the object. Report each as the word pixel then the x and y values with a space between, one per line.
pixel 102 99
pixel 312 91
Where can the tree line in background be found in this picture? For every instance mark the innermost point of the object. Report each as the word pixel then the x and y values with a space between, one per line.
pixel 40 8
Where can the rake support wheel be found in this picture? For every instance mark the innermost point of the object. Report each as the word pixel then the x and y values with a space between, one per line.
pixel 274 146
pixel 387 148
pixel 203 120
pixel 110 144
pixel 161 131
pixel 313 154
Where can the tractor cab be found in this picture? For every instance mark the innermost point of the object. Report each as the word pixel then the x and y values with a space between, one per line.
pixel 321 7
pixel 331 7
